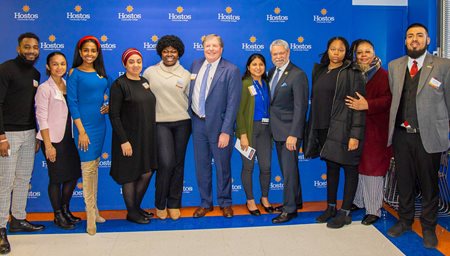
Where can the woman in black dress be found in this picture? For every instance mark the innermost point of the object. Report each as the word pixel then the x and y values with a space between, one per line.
pixel 132 115
pixel 58 145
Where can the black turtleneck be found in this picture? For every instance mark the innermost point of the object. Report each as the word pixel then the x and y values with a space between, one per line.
pixel 17 90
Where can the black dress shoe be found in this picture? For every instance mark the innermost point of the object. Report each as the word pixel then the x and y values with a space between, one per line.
pixel 284 217
pixel 146 214
pixel 429 238
pixel 5 248
pixel 16 225
pixel 269 209
pixel 137 218
pixel 278 208
pixel 369 219
pixel 327 214
pixel 69 216
pixel 398 229
pixel 253 212
pixel 354 208
pixel 340 220
pixel 62 222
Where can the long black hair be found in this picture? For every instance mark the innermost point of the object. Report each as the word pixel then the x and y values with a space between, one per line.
pixel 98 63
pixel 249 61
pixel 325 59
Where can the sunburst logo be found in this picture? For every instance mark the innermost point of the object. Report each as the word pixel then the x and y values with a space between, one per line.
pixel 51 45
pixel 129 8
pixel 277 10
pixel 227 16
pixel 129 15
pixel 179 15
pixel 105 155
pixel 203 38
pixel 26 8
pixel 277 17
pixel 78 15
pixel 252 46
pixel 300 46
pixel 322 182
pixel 228 10
pixel 151 45
pixel 278 178
pixel 323 176
pixel 105 97
pixel 78 8
pixel 323 18
pixel 154 38
pixel 103 38
pixel 80 185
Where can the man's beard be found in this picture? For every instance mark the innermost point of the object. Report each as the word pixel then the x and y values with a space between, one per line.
pixel 414 54
pixel 29 62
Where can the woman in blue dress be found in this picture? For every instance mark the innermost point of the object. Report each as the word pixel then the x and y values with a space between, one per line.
pixel 87 89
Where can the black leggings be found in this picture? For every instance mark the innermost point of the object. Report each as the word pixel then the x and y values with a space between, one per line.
pixel 61 193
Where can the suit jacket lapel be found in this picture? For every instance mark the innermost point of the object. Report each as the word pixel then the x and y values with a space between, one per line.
pixel 425 72
pixel 219 71
pixel 403 65
pixel 282 79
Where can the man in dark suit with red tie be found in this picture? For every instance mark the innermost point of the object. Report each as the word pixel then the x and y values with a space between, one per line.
pixel 418 129
pixel 289 102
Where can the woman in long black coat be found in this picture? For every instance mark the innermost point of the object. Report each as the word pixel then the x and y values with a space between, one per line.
pixel 339 129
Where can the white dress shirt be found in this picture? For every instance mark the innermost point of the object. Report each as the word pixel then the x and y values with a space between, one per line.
pixel 198 83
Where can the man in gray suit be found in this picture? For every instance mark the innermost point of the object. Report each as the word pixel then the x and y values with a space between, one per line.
pixel 418 129
pixel 289 101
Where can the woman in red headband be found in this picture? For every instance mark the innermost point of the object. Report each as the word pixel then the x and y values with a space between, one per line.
pixel 87 95
pixel 133 148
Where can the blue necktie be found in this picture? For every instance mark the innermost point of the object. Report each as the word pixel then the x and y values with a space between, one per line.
pixel 274 82
pixel 202 98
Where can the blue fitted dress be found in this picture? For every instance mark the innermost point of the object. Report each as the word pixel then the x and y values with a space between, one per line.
pixel 85 96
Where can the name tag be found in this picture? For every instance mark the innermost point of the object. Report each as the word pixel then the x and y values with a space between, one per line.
pixel 180 84
pixel 265 120
pixel 35 83
pixel 434 83
pixel 252 90
pixel 193 76
pixel 146 85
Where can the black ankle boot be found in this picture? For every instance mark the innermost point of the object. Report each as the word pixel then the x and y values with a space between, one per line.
pixel 5 248
pixel 68 215
pixel 327 214
pixel 61 221
pixel 342 218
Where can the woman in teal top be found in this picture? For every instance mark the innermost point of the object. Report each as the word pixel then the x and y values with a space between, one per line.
pixel 253 130
pixel 87 95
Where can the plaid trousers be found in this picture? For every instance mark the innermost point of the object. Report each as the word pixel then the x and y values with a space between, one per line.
pixel 15 175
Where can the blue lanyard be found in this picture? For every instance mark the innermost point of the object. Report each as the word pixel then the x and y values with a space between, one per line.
pixel 260 92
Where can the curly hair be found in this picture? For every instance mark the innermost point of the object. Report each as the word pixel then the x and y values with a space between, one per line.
pixel 170 40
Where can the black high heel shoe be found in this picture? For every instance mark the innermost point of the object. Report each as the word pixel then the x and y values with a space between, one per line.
pixel 269 209
pixel 254 212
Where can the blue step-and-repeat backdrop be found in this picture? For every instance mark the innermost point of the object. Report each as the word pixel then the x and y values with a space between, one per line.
pixel 246 26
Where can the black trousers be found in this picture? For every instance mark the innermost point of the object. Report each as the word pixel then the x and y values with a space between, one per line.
pixel 172 140
pixel 288 161
pixel 413 165
pixel 333 173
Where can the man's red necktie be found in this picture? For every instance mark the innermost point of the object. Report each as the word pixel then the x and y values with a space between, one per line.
pixel 414 69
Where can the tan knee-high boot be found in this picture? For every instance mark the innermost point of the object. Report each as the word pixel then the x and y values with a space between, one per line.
pixel 98 218
pixel 90 174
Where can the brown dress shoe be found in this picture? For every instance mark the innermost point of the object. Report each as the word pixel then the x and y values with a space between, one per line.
pixel 200 211
pixel 227 211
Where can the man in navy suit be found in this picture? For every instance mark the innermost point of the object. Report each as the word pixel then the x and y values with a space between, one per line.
pixel 214 96
pixel 288 105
